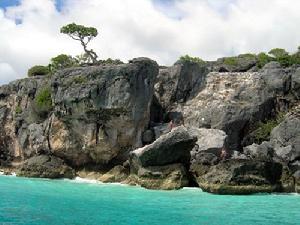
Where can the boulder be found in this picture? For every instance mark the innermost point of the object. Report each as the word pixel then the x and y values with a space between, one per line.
pixel 173 147
pixel 286 137
pixel 161 165
pixel 297 181
pixel 209 141
pixel 117 174
pixel 263 152
pixel 45 166
pixel 241 63
pixel 277 79
pixel 238 176
pixel 168 177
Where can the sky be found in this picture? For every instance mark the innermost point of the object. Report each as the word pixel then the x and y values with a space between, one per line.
pixel 159 29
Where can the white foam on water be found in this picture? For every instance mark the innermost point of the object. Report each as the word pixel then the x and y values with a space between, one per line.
pixel 1 173
pixel 85 180
pixel 192 189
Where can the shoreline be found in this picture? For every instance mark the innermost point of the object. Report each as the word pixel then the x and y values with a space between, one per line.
pixel 80 180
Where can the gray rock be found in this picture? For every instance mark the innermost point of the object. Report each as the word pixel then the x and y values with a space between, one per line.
pixel 263 152
pixel 241 63
pixel 148 137
pixel 278 79
pixel 180 82
pixel 296 84
pixel 168 177
pixel 99 113
pixel 45 166
pixel 173 147
pixel 161 129
pixel 209 140
pixel 238 176
pixel 238 155
pixel 230 102
pixel 286 137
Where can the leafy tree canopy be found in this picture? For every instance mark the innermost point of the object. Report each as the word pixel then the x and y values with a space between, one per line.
pixel 82 34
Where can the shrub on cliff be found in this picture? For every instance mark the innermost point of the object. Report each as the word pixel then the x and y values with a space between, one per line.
pixel 43 101
pixel 282 56
pixel 62 61
pixel 263 59
pixel 38 71
pixel 190 59
pixel 263 131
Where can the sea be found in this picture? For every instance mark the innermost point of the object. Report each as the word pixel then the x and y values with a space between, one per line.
pixel 25 201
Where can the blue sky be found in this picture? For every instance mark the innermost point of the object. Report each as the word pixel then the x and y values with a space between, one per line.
pixel 7 3
pixel 159 29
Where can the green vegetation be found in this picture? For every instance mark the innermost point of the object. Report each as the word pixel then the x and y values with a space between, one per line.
pixel 284 58
pixel 82 34
pixel 190 59
pixel 62 61
pixel 263 59
pixel 231 61
pixel 18 110
pixel 80 80
pixel 43 101
pixel 110 61
pixel 38 71
pixel 263 131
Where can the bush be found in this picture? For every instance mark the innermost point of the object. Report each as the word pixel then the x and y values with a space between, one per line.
pixel 38 71
pixel 62 61
pixel 263 131
pixel 231 61
pixel 190 59
pixel 80 80
pixel 282 56
pixel 43 101
pixel 263 59
pixel 18 110
pixel 110 61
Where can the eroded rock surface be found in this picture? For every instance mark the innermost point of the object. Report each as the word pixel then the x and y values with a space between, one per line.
pixel 98 113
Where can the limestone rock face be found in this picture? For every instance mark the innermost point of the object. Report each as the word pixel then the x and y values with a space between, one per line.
pixel 286 137
pixel 229 102
pixel 45 166
pixel 98 113
pixel 180 82
pixel 296 83
pixel 238 176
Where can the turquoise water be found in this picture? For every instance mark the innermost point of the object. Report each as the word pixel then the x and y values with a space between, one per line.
pixel 45 202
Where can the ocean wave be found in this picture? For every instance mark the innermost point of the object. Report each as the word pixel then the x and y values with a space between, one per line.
pixel 192 189
pixel 92 181
pixel 84 180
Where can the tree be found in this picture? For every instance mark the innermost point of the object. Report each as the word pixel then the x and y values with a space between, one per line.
pixel 82 34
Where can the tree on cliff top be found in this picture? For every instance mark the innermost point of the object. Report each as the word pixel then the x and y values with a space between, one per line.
pixel 82 34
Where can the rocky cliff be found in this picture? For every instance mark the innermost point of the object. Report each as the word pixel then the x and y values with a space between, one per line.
pixel 117 124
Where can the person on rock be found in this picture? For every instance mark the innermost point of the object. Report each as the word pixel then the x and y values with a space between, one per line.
pixel 224 154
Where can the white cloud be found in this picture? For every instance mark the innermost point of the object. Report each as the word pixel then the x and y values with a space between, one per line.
pixel 132 28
